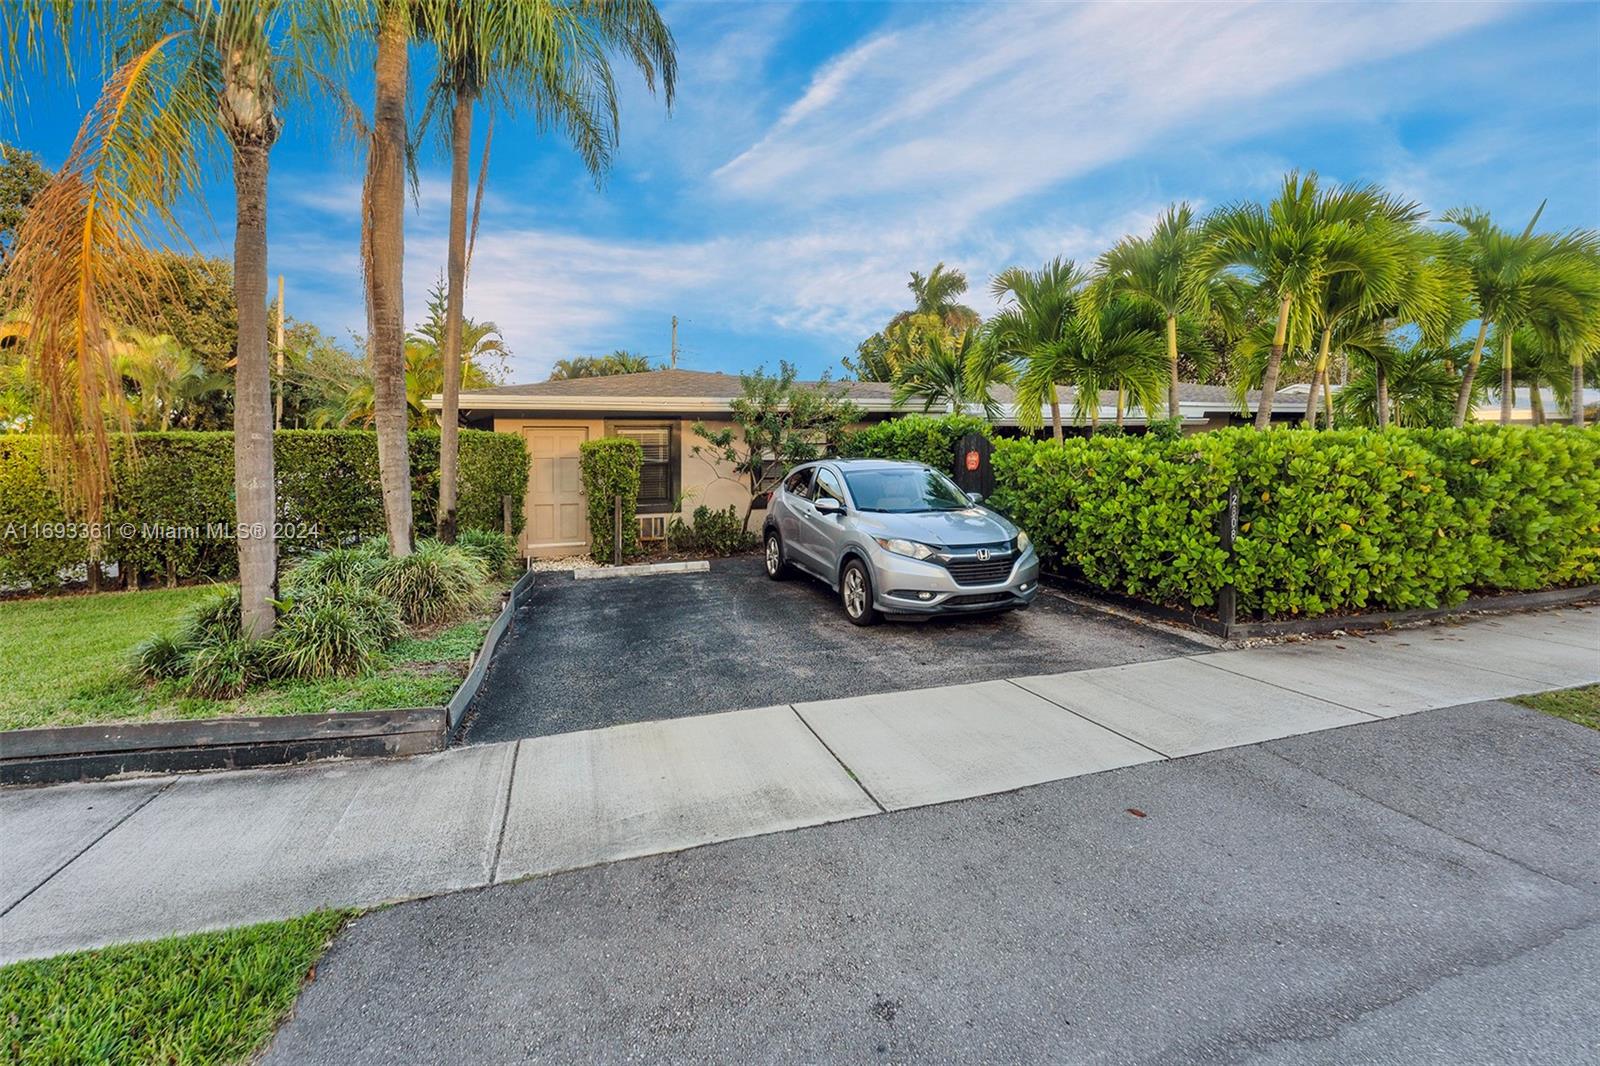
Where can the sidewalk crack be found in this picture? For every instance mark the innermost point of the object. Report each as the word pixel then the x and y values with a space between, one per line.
pixel 505 814
pixel 862 785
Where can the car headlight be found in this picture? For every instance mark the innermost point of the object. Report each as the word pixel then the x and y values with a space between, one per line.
pixel 1024 542
pixel 905 547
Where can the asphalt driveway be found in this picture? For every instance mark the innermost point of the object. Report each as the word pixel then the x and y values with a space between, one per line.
pixel 589 654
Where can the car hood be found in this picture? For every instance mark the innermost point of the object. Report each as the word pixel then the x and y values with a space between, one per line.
pixel 947 529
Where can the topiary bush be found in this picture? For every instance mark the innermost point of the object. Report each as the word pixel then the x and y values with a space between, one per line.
pixel 713 533
pixel 610 467
pixel 435 583
pixel 925 439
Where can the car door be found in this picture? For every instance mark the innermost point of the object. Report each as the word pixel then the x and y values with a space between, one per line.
pixel 795 515
pixel 827 531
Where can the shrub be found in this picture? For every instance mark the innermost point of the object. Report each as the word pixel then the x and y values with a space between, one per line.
pixel 331 630
pixel 713 532
pixel 166 483
pixel 914 438
pixel 497 550
pixel 1332 521
pixel 217 619
pixel 610 467
pixel 223 670
pixel 436 582
pixel 347 566
pixel 158 657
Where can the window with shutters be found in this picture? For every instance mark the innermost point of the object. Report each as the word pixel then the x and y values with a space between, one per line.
pixel 658 479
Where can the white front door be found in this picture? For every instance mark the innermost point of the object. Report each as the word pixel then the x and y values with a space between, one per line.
pixel 556 522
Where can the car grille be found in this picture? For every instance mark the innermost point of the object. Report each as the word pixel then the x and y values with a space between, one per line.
pixel 971 572
pixel 977 598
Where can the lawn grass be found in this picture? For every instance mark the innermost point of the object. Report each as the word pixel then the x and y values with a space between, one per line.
pixel 1581 705
pixel 206 998
pixel 63 661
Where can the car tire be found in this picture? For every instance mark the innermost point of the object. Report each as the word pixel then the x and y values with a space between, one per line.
pixel 855 593
pixel 777 565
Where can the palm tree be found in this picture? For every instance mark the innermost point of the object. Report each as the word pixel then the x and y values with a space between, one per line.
pixel 600 366
pixel 383 265
pixel 1547 281
pixel 165 377
pixel 207 69
pixel 947 375
pixel 1110 346
pixel 1412 385
pixel 1160 271
pixel 1292 247
pixel 1039 307
pixel 552 56
pixel 935 295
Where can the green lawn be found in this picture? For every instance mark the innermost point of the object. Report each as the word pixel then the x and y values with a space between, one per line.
pixel 207 998
pixel 63 661
pixel 1581 705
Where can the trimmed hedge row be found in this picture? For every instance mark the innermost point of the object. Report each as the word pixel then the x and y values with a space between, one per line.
pixel 169 484
pixel 926 439
pixel 611 467
pixel 1329 522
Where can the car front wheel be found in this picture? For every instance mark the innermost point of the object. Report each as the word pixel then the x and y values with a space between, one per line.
pixel 855 591
pixel 777 566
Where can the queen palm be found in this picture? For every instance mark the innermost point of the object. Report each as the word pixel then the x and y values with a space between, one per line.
pixel 553 58
pixel 1547 281
pixel 1160 272
pixel 1038 308
pixel 1292 247
pixel 199 73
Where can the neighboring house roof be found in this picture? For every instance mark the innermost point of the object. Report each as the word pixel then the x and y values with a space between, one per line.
pixel 697 391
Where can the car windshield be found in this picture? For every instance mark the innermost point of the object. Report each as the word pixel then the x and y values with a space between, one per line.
pixel 904 490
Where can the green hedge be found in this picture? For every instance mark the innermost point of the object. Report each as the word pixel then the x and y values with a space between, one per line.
pixel 1329 522
pixel 917 438
pixel 328 494
pixel 610 467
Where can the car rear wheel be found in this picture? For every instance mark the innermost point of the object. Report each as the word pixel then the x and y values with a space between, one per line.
pixel 855 592
pixel 777 566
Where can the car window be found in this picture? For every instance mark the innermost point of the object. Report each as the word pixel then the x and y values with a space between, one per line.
pixel 799 482
pixel 904 490
pixel 828 485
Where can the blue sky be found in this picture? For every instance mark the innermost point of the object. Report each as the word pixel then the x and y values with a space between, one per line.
pixel 820 151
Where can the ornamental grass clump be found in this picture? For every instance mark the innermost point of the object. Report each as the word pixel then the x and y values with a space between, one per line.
pixel 435 583
pixel 332 630
pixel 497 550
pixel 347 566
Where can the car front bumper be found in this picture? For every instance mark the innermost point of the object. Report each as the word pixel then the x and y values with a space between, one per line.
pixel 902 585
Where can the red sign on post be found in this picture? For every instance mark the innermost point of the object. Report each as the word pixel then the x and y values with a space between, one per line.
pixel 972 460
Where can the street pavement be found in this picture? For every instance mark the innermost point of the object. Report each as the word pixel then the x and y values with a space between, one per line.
pixel 1419 889
pixel 88 865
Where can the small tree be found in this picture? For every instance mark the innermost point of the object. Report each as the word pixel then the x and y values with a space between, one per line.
pixel 777 422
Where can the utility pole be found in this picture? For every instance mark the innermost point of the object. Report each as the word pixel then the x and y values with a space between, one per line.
pixel 674 342
pixel 277 413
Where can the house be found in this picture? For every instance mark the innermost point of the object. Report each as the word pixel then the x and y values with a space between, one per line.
pixel 659 409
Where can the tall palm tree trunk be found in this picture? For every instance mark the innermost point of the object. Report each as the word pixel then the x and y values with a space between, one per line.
pixel 456 269
pixel 1508 389
pixel 1119 405
pixel 1536 401
pixel 1269 380
pixel 1172 363
pixel 1327 399
pixel 254 476
pixel 385 266
pixel 1317 376
pixel 1055 414
pixel 1381 375
pixel 1464 397
pixel 1577 393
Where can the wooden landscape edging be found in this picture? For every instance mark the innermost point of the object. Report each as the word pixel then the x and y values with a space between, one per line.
pixel 89 752
pixel 1324 624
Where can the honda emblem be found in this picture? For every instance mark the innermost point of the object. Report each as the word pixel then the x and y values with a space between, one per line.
pixel 983 555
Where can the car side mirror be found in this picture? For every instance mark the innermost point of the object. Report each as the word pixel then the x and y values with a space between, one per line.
pixel 829 505
pixel 975 497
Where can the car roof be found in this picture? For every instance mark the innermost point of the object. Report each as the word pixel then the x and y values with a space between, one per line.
pixel 872 464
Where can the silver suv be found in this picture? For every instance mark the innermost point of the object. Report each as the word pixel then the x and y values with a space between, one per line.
pixel 897 538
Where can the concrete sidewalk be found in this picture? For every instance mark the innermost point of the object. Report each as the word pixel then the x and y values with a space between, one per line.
pixel 88 865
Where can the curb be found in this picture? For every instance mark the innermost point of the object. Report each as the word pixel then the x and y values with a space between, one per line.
pixel 91 752
pixel 693 566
